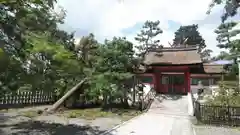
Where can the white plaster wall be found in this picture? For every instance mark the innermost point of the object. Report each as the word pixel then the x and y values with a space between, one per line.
pixel 146 89
pixel 190 104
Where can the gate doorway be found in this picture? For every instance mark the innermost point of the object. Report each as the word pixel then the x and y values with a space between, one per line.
pixel 173 83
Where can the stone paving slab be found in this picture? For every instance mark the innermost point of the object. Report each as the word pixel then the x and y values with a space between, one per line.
pixel 212 130
pixel 155 124
pixel 167 116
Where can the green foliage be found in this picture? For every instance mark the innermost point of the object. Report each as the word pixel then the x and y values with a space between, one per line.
pixel 30 113
pixel 206 55
pixel 146 37
pixel 229 94
pixel 18 17
pixel 225 34
pixel 230 7
pixel 189 35
pixel 228 84
pixel 38 56
pixel 222 56
pixel 112 68
pixel 91 114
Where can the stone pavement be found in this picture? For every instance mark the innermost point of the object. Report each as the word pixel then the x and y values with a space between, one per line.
pixel 166 116
pixel 213 130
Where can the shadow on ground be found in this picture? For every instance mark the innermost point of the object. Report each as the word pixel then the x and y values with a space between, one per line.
pixel 162 97
pixel 42 128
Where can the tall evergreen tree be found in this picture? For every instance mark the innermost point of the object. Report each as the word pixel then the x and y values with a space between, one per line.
pixel 206 55
pixel 225 34
pixel 146 37
pixel 222 56
pixel 189 35
pixel 225 37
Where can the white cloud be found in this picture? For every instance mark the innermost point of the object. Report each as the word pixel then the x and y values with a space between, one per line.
pixel 207 32
pixel 237 27
pixel 107 18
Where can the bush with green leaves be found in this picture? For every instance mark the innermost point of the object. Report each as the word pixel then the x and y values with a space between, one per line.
pixel 228 94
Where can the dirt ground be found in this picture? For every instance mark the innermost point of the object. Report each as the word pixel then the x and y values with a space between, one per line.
pixel 21 122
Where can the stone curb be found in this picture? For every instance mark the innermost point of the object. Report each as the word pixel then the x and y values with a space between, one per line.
pixel 123 123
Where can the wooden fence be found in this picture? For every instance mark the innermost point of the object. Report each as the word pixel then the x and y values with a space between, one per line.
pixel 20 99
pixel 217 115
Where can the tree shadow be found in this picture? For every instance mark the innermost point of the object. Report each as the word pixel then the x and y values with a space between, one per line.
pixel 3 117
pixel 162 97
pixel 42 128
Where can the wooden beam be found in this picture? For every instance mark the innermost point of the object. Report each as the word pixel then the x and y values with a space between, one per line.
pixel 171 68
pixel 206 75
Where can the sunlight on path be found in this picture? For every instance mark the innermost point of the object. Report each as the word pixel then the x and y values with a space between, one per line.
pixel 167 116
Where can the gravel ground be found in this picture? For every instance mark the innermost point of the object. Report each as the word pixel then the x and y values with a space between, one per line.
pixel 11 123
pixel 212 130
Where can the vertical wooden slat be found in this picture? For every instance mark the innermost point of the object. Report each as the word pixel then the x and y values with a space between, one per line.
pixel 30 97
pixel 16 98
pixel 8 99
pixel 51 97
pixel 42 98
pixel 20 97
pixel 37 97
pixel 1 100
pixel 4 99
pixel 47 96
pixel 25 97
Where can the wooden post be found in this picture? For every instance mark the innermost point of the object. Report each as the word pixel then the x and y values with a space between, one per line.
pixel 154 81
pixel 134 89
pixel 238 61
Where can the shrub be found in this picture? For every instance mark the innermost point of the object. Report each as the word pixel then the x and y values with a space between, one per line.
pixel 228 94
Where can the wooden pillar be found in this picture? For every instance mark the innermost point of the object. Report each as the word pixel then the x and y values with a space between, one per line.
pixel 155 81
pixel 158 80
pixel 134 88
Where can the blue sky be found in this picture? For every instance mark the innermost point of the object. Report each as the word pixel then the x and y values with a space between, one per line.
pixel 173 26
pixel 108 18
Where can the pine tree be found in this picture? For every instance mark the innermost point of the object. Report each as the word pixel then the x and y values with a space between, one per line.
pixel 231 8
pixel 225 37
pixel 189 35
pixel 225 32
pixel 146 37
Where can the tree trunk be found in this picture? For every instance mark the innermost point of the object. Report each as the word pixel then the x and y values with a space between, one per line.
pixel 65 97
pixel 125 98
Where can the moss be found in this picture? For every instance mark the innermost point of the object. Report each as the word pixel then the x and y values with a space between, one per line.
pixel 91 114
pixel 30 114
pixel 8 110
